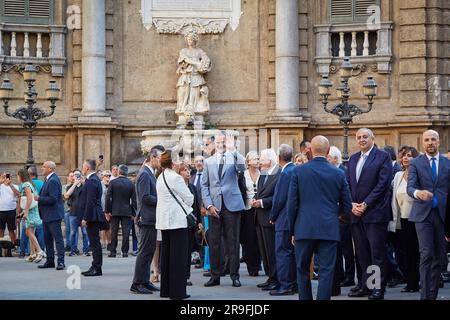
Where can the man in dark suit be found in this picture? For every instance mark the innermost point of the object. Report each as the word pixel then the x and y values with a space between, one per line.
pixel 265 230
pixel 369 175
pixel 318 193
pixel 146 218
pixel 120 206
pixel 93 217
pixel 51 210
pixel 285 253
pixel 428 184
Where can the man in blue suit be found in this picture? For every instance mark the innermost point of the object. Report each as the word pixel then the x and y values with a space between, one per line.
pixel 369 175
pixel 428 184
pixel 285 254
pixel 223 201
pixel 51 210
pixel 318 193
pixel 93 217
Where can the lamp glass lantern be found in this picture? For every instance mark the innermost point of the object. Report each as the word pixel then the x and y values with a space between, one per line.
pixel 340 89
pixel 370 87
pixel 52 92
pixel 346 69
pixel 6 90
pixel 30 73
pixel 324 86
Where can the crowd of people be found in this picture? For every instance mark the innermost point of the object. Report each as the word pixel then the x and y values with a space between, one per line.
pixel 292 217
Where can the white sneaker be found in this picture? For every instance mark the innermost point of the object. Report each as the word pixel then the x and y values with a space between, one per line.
pixel 39 257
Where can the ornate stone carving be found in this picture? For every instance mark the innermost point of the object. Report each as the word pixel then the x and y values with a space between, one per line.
pixel 20 67
pixel 176 16
pixel 181 26
pixel 357 69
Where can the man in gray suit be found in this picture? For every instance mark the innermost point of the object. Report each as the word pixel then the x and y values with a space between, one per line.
pixel 146 219
pixel 428 184
pixel 223 201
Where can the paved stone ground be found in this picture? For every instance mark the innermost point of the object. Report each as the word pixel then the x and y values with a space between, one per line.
pixel 22 280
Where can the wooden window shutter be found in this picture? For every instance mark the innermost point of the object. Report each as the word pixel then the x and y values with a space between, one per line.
pixel 341 11
pixel 360 9
pixel 27 11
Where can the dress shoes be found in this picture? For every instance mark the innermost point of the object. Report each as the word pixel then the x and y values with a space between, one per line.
pixel 151 287
pixel 212 282
pixel 446 277
pixel 253 274
pixel 124 255
pixel 111 255
pixel 236 283
pixel 347 283
pixel 356 288
pixel 263 285
pixel 92 273
pixel 47 265
pixel 185 297
pixel 281 292
pixel 139 289
pixel 188 283
pixel 360 293
pixel 408 290
pixel 272 286
pixel 198 266
pixel 207 274
pixel 335 292
pixel 377 294
pixel 60 266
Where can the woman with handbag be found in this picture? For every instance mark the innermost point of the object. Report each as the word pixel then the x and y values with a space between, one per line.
pixel 30 214
pixel 173 217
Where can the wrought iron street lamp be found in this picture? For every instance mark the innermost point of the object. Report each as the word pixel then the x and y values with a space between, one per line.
pixel 345 110
pixel 29 114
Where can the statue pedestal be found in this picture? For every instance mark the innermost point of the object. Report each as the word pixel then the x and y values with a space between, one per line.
pixel 188 141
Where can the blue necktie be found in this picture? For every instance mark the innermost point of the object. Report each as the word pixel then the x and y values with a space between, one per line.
pixel 434 177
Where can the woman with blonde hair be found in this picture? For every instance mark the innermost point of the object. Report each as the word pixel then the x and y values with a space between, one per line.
pixel 300 159
pixel 30 214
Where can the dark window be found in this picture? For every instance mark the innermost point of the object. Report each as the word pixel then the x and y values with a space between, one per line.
pixel 27 11
pixel 349 11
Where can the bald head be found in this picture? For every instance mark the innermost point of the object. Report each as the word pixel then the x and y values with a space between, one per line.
pixel 430 142
pixel 320 146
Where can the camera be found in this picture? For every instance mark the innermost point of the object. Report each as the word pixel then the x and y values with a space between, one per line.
pixel 8 176
pixel 100 157
pixel 77 176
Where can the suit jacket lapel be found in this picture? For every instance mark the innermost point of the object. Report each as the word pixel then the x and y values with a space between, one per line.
pixel 440 169
pixel 427 167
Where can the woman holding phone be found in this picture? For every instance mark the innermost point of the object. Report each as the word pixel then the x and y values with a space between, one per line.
pixel 30 214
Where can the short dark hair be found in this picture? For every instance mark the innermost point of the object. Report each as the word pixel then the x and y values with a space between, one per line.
pixel 154 152
pixel 413 151
pixel 391 151
pixel 304 142
pixel 92 164
pixel 123 170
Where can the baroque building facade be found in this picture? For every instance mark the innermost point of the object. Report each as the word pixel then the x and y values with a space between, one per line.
pixel 116 62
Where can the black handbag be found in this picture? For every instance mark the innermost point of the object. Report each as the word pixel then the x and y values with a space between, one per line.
pixel 190 218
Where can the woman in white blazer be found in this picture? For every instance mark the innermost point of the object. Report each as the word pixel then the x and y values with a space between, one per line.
pixel 171 220
pixel 401 208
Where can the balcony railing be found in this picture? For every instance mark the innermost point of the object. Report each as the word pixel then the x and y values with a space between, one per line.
pixel 364 45
pixel 40 45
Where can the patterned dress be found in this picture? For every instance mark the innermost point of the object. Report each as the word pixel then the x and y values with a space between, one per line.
pixel 33 219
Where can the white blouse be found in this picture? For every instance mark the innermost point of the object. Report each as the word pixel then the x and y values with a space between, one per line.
pixel 251 188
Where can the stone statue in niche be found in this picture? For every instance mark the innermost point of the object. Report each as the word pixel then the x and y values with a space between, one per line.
pixel 192 92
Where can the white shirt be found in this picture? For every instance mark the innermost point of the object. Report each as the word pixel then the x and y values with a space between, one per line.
pixel 48 177
pixel 198 177
pixel 362 159
pixel 8 200
pixel 150 168
pixel 250 188
pixel 269 173
pixel 90 174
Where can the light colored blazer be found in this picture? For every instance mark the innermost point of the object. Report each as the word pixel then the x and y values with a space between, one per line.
pixel 169 214
pixel 396 213
pixel 213 187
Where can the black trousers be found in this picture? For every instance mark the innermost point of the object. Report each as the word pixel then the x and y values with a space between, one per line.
pixel 174 248
pixel 125 224
pixel 146 249
pixel 266 242
pixel 53 234
pixel 411 249
pixel 347 251
pixel 190 248
pixel 228 226
pixel 93 231
pixel 249 240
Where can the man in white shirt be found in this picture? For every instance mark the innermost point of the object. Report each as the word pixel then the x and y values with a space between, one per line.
pixel 8 203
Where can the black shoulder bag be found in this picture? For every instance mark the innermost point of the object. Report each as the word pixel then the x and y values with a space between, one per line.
pixel 190 218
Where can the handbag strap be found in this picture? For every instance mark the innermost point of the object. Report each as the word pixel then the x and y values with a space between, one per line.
pixel 176 199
